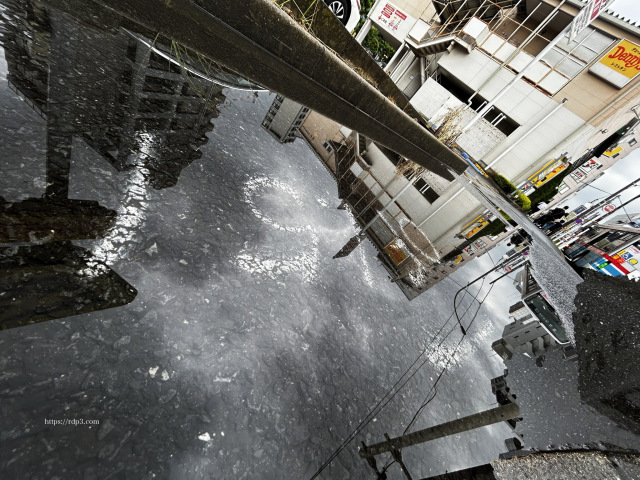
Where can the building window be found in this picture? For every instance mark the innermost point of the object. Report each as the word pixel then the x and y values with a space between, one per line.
pixel 426 191
pixel 632 142
pixel 571 57
pixel 328 147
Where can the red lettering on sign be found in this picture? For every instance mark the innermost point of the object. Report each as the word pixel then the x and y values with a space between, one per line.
pixel 388 10
pixel 629 59
pixel 597 4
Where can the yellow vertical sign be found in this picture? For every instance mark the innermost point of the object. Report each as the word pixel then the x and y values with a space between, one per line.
pixel 623 58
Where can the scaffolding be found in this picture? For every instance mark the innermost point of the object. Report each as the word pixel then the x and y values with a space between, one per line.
pixel 405 251
pixel 453 15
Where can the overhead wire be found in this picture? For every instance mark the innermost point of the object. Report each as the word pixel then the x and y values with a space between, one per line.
pixel 380 405
pixel 430 397
pixel 445 368
pixel 401 382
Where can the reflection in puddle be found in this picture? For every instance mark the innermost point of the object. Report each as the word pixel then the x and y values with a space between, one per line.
pixel 133 100
pixel 305 263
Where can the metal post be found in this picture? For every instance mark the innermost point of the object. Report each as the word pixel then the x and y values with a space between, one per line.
pixel 471 422
pixel 413 180
pixel 502 92
pixel 517 142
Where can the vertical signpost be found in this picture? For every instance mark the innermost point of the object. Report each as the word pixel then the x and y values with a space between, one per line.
pixel 587 15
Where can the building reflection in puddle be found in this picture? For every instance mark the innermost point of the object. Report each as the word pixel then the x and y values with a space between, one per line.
pixel 143 105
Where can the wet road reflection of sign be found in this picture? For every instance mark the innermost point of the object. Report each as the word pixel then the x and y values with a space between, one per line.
pixel 396 252
pixel 349 247
pixel 475 226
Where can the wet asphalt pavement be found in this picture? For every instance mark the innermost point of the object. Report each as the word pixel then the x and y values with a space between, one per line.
pixel 248 352
pixel 216 337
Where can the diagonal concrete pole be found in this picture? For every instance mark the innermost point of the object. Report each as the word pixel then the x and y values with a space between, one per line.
pixel 259 41
pixel 477 420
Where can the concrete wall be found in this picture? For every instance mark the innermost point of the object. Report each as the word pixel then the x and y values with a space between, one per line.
pixel 431 98
pixel 472 69
pixel 284 118
pixel 383 169
pixel 523 103
pixel 434 101
pixel 412 202
pixel 532 151
pixel 262 43
pixel 442 227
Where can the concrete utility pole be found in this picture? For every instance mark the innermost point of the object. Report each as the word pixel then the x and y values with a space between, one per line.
pixel 471 422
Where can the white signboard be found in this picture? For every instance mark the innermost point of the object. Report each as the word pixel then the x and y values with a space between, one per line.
pixel 589 165
pixel 578 176
pixel 470 249
pixel 620 65
pixel 479 244
pixel 392 20
pixel 585 16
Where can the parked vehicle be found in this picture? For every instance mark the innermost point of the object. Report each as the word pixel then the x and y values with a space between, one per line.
pixel 347 11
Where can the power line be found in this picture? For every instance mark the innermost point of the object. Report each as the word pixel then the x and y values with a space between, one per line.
pixel 380 405
pixel 444 370
pixel 434 388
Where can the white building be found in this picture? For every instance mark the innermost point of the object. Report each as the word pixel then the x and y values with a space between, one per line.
pixel 552 102
pixel 283 119
pixel 524 335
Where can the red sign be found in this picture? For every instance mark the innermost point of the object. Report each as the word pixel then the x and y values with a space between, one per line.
pixel 595 9
pixel 388 10
pixel 609 208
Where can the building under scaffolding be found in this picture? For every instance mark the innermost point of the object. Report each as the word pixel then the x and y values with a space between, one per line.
pixel 511 93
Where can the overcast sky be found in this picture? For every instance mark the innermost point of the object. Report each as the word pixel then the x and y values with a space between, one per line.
pixel 627 8
pixel 621 174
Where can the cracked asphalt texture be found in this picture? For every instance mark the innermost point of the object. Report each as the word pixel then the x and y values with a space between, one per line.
pixel 248 352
